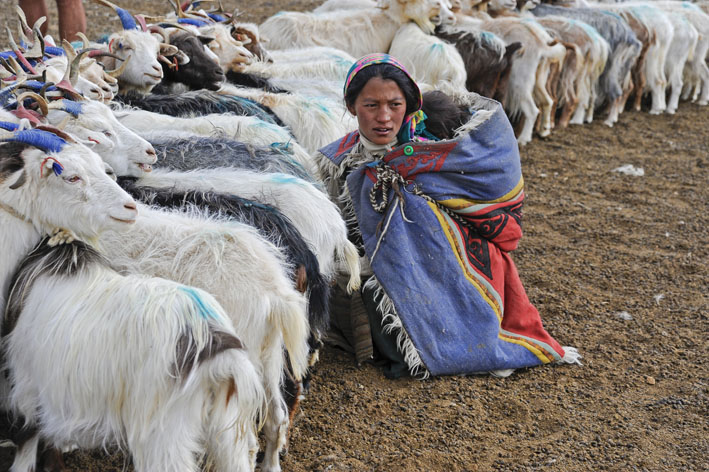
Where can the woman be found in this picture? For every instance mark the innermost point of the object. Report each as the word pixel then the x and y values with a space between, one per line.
pixel 435 220
pixel 72 18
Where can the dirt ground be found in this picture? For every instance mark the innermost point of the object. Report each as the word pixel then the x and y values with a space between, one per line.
pixel 617 266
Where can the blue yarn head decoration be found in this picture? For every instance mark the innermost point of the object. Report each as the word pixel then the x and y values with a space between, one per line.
pixel 44 140
pixel 193 22
pixel 9 126
pixel 126 19
pixel 71 107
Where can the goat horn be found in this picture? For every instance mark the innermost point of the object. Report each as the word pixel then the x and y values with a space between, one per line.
pixel 6 93
pixel 23 19
pixel 18 53
pixel 41 139
pixel 178 8
pixel 58 131
pixel 37 50
pixel 23 37
pixel 40 101
pixel 62 124
pixel 141 22
pixel 20 180
pixel 84 40
pixel 161 31
pixel 19 71
pixel 115 73
pixel 38 24
pixel 126 19
pixel 68 50
pixel 101 53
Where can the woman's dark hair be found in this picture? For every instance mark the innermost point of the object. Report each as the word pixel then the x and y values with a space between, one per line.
pixel 443 115
pixel 385 72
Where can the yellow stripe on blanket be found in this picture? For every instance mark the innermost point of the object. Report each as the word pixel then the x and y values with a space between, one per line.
pixel 490 296
pixel 541 354
pixel 462 203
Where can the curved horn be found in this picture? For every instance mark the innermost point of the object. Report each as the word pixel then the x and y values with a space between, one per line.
pixel 161 31
pixel 84 40
pixel 41 102
pixel 141 21
pixel 178 8
pixel 23 36
pixel 69 106
pixel 115 73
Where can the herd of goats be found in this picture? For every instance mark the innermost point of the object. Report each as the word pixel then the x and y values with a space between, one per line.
pixel 174 309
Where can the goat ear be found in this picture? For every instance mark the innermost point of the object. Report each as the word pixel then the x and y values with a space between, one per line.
pixel 206 39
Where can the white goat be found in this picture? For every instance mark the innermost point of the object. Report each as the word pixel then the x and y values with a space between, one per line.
pixel 314 121
pixel 530 71
pixel 357 32
pixel 247 129
pixel 247 275
pixel 92 121
pixel 428 58
pixel 132 338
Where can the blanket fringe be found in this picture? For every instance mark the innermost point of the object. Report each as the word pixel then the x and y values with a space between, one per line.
pixel 571 356
pixel 391 323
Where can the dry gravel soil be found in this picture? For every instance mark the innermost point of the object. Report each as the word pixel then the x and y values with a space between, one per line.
pixel 616 264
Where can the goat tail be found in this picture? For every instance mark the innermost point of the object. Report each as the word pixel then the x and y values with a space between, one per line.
pixel 288 317
pixel 348 255
pixel 236 413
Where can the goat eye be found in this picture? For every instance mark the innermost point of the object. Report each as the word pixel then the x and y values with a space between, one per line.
pixel 107 134
pixel 73 179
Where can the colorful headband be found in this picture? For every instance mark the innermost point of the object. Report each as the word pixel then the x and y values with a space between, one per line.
pixel 413 121
pixel 379 58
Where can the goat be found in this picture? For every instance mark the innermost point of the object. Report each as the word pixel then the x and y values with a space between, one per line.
pixel 314 121
pixel 487 59
pixel 428 58
pixel 197 368
pixel 529 72
pixel 201 153
pixel 696 83
pixel 248 129
pixel 201 71
pixel 681 49
pixel 141 48
pixel 655 31
pixel 358 32
pixel 198 103
pixel 624 50
pixel 247 275
pixel 94 122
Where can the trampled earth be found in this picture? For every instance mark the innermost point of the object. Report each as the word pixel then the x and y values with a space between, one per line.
pixel 616 265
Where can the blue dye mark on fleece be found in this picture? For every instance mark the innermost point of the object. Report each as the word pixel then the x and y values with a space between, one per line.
pixel 204 310
pixel 279 178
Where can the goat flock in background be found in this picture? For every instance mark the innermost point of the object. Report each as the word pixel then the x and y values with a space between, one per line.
pixel 168 249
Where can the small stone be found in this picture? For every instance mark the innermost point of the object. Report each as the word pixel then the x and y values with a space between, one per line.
pixel 649 380
pixel 624 315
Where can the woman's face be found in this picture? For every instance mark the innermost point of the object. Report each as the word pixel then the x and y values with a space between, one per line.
pixel 380 108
